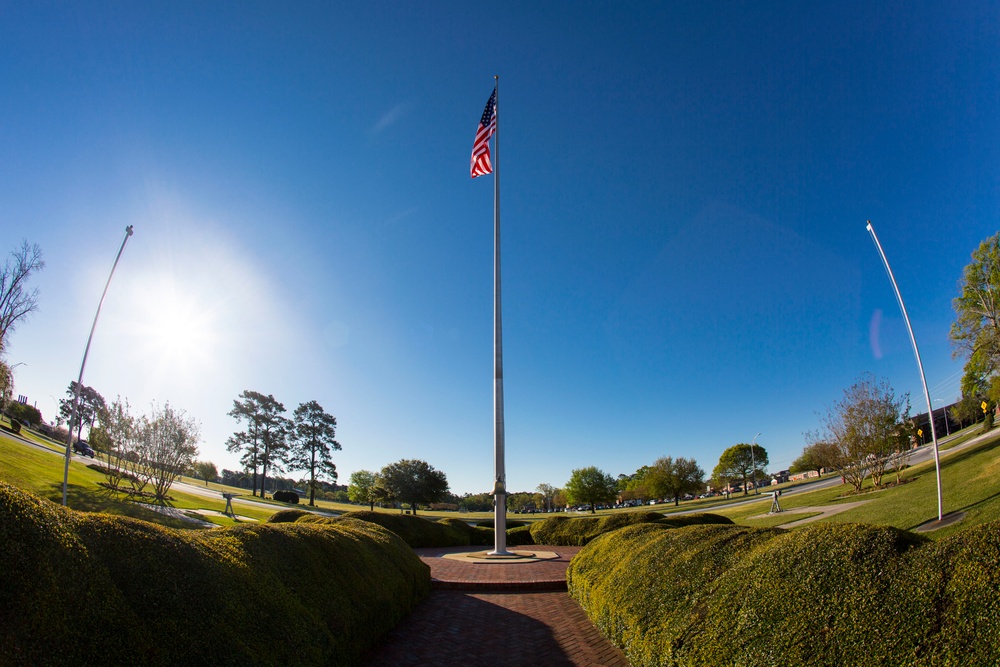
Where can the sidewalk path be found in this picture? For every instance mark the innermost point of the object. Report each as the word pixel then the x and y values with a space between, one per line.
pixel 497 613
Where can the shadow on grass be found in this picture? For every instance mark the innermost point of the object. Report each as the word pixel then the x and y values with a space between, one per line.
pixel 982 501
pixel 94 498
pixel 966 454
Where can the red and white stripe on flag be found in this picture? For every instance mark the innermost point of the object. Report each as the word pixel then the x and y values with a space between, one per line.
pixel 481 164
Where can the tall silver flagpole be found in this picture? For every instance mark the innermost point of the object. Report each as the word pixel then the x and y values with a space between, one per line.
pixel 86 351
pixel 920 366
pixel 500 474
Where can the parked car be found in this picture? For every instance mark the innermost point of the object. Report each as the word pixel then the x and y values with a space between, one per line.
pixel 83 448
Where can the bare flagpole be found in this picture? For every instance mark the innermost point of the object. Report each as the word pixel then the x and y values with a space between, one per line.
pixel 86 351
pixel 499 471
pixel 920 366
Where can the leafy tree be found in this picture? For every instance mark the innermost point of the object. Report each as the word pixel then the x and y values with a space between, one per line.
pixel 635 486
pixel 590 486
pixel 16 301
pixel 363 488
pixel 205 470
pixel 967 411
pixel 818 455
pixel 672 478
pixel 413 481
pixel 90 407
pixel 24 413
pixel 476 502
pixel 868 427
pixel 314 444
pixel 975 334
pixel 738 462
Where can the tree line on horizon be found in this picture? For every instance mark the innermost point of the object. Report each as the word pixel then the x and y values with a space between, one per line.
pixel 868 432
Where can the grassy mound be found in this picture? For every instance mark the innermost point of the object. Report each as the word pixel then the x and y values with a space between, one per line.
pixel 844 594
pixel 564 530
pixel 96 589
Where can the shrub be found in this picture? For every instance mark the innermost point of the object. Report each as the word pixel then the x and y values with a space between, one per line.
pixel 24 413
pixel 830 594
pixel 97 589
pixel 577 531
pixel 519 536
pixel 286 497
pixel 287 516
pixel 414 530
pixel 475 535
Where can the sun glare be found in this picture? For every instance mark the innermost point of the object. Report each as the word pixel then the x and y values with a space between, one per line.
pixel 176 327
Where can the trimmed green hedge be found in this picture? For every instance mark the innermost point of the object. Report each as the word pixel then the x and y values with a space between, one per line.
pixel 287 516
pixel 830 594
pixel 519 536
pixel 424 533
pixel 414 530
pixel 563 530
pixel 84 588
pixel 475 535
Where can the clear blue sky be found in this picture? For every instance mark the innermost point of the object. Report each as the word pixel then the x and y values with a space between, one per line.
pixel 685 187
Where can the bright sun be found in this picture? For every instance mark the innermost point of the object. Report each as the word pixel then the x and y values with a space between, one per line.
pixel 176 326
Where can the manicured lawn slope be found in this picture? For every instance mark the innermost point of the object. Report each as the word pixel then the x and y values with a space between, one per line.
pixel 826 594
pixel 970 481
pixel 83 588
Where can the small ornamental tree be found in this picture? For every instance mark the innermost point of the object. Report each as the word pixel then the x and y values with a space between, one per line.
pixel 867 425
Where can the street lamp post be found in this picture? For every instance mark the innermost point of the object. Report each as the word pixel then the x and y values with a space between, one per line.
pixel 753 462
pixel 79 383
pixel 920 367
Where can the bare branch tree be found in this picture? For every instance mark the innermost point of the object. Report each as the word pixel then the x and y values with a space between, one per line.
pixel 170 443
pixel 16 300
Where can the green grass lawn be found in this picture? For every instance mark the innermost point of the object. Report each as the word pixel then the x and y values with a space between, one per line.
pixel 970 481
pixel 42 473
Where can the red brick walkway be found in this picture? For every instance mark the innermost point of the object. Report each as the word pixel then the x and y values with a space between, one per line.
pixel 500 613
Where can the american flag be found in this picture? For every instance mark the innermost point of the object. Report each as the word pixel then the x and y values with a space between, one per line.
pixel 481 164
